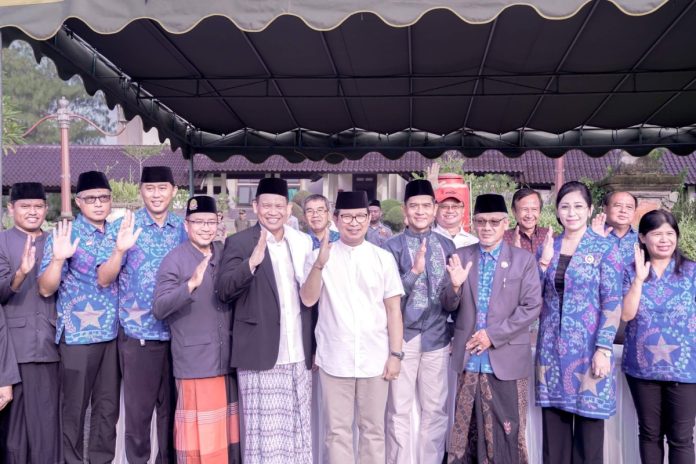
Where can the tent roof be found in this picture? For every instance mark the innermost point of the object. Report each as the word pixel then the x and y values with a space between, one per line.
pixel 334 80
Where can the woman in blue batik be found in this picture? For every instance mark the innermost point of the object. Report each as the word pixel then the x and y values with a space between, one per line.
pixel 660 307
pixel 581 288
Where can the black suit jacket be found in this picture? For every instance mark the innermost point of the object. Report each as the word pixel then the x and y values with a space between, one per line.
pixel 254 300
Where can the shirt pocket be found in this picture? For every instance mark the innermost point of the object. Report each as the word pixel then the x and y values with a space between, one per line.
pixel 193 340
pixel 16 322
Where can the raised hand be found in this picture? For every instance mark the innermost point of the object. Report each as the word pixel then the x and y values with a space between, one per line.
pixel 598 225
pixel 62 247
pixel 419 260
pixel 324 251
pixel 28 256
pixel 642 267
pixel 197 278
pixel 126 238
pixel 516 238
pixel 457 273
pixel 259 250
pixel 432 172
pixel 547 251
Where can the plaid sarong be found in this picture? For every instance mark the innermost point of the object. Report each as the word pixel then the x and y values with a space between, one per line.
pixel 490 420
pixel 206 424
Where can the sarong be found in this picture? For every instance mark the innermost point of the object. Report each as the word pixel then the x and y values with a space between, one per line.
pixel 206 423
pixel 276 409
pixel 490 420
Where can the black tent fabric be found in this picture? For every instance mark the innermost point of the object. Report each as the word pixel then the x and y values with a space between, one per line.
pixel 337 81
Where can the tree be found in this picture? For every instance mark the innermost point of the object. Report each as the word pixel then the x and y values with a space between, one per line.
pixel 139 153
pixel 35 89
pixel 12 128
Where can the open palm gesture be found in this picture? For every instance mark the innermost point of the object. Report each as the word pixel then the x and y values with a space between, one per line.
pixel 126 237
pixel 457 273
pixel 63 248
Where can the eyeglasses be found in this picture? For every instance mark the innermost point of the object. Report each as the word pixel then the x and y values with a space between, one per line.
pixel 318 211
pixel 349 218
pixel 201 223
pixel 493 222
pixel 450 207
pixel 90 200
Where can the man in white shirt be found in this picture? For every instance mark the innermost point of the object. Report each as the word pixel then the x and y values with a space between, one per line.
pixel 359 332
pixel 450 210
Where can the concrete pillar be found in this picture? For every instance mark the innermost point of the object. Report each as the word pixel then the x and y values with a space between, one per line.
pixel 382 192
pixel 232 193
pixel 304 184
pixel 223 183
pixel 210 184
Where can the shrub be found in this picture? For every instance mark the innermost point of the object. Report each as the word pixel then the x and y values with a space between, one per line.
pixel 394 218
pixel 388 204
pixel 299 198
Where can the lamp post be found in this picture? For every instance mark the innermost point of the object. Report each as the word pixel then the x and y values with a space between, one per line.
pixel 64 117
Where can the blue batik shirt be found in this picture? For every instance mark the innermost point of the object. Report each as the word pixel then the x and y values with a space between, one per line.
pixel 316 243
pixel 660 341
pixel 626 244
pixel 139 271
pixel 487 262
pixel 86 311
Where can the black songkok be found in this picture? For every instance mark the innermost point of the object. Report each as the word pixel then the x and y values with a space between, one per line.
pixel 27 191
pixel 351 200
pixel 92 180
pixel 273 185
pixel 490 203
pixel 418 187
pixel 376 203
pixel 201 204
pixel 153 174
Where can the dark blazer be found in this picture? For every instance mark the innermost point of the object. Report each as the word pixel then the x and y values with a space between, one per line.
pixel 254 299
pixel 199 321
pixel 31 318
pixel 9 371
pixel 514 304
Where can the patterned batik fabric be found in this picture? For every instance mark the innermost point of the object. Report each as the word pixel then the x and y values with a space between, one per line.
pixel 490 421
pixel 139 270
pixel 316 243
pixel 206 424
pixel 276 408
pixel 86 311
pixel 660 341
pixel 487 264
pixel 569 336
pixel 626 245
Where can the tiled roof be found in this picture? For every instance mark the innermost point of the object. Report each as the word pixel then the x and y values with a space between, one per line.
pixel 41 163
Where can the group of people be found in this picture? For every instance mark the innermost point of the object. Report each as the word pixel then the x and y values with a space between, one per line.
pixel 223 341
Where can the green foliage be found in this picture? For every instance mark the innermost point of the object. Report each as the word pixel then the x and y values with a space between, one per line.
pixel 35 90
pixel 12 127
pixel 299 198
pixel 491 183
pixel 394 218
pixel 139 153
pixel 221 202
pixel 125 193
pixel 388 205
pixel 684 211
pixel 596 191
pixel 180 199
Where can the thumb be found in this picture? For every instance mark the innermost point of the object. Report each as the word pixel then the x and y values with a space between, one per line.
pixel 468 266
pixel 608 230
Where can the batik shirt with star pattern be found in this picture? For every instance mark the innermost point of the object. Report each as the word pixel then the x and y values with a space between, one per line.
pixel 139 270
pixel 487 264
pixel 660 343
pixel 86 311
pixel 569 335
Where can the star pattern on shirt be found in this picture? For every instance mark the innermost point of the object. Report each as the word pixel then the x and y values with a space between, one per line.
pixel 588 382
pixel 661 351
pixel 89 317
pixel 136 315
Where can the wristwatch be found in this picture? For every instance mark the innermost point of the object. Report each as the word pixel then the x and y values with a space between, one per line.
pixel 605 351
pixel 398 354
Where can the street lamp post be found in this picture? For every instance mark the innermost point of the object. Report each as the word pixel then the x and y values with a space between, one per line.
pixel 64 117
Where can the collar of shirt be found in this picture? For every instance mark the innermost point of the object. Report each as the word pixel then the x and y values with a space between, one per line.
pixel 270 238
pixel 631 231
pixel 81 223
pixel 494 253
pixel 146 218
pixel 666 274
pixel 409 233
pixel 442 231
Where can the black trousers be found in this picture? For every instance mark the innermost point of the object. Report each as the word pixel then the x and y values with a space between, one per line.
pixel 148 384
pixel 664 409
pixel 90 376
pixel 571 439
pixel 30 424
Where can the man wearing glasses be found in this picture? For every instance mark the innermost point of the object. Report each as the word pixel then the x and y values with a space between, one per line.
pixel 496 289
pixel 272 334
pixel 316 212
pixel 87 323
pixel 450 211
pixel 141 240
pixel 207 411
pixel 359 332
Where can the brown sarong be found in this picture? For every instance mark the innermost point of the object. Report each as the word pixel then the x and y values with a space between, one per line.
pixel 490 420
pixel 206 424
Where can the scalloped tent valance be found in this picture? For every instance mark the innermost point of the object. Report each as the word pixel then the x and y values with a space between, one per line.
pixel 335 80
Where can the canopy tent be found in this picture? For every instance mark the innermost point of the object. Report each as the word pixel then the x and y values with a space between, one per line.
pixel 312 79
